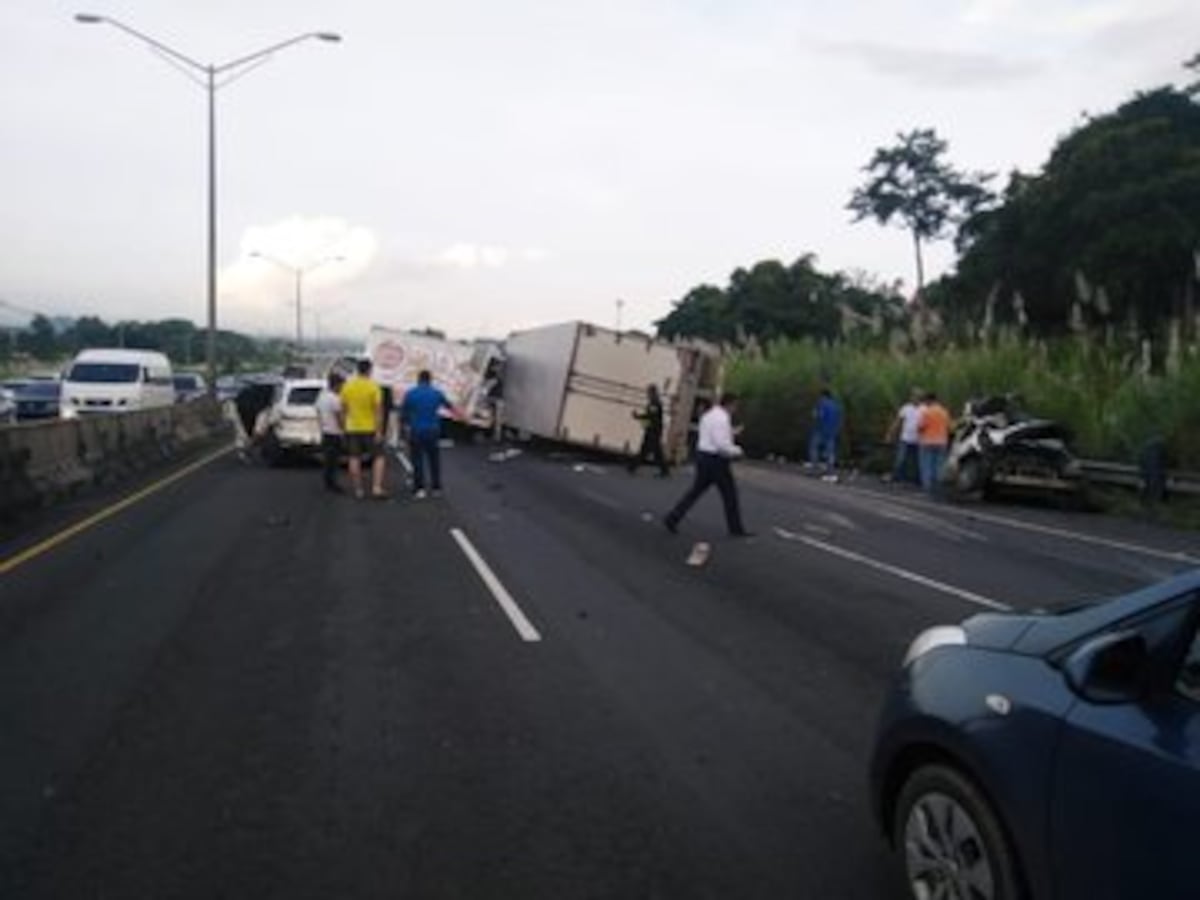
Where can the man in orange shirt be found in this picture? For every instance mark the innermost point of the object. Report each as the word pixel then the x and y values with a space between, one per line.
pixel 933 433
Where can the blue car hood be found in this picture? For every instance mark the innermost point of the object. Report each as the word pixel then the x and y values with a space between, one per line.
pixel 1038 634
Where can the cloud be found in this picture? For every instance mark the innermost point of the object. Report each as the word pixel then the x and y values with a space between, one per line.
pixel 328 251
pixel 484 256
pixel 929 67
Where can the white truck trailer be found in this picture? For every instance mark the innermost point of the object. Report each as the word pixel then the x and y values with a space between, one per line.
pixel 461 370
pixel 581 384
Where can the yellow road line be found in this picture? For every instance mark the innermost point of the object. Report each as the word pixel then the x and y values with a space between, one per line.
pixel 7 565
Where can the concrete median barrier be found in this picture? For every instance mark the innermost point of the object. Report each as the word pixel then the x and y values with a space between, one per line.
pixel 45 463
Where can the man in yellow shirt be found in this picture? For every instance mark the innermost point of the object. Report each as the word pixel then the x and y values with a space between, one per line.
pixel 362 402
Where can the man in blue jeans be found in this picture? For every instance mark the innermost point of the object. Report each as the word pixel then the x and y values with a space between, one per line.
pixel 822 444
pixel 421 413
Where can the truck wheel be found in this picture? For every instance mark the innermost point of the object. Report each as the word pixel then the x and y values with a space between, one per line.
pixel 949 841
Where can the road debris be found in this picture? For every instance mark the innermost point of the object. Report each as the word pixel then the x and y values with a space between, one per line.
pixel 504 455
pixel 700 554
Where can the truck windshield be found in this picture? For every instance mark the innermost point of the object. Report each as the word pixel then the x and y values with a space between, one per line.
pixel 105 373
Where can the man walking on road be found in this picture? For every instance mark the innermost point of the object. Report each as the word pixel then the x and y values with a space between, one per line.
pixel 934 434
pixel 652 423
pixel 421 412
pixel 329 415
pixel 362 402
pixel 908 441
pixel 715 452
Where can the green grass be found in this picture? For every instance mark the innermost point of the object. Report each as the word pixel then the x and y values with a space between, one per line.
pixel 1098 393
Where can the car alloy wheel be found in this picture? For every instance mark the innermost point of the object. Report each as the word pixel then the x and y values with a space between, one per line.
pixel 950 842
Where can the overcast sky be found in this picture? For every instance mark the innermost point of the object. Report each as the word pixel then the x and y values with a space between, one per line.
pixel 482 165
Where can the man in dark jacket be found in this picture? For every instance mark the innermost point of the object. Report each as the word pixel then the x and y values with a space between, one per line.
pixel 652 423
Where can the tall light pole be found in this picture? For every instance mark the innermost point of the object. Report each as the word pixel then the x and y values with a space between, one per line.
pixel 211 77
pixel 298 273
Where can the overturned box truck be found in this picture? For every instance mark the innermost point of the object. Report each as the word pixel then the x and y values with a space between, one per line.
pixel 465 372
pixel 581 384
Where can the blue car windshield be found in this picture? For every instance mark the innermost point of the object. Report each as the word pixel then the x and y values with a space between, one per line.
pixel 39 389
pixel 105 373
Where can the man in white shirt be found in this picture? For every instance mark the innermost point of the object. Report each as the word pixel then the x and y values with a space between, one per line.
pixel 904 428
pixel 715 451
pixel 331 417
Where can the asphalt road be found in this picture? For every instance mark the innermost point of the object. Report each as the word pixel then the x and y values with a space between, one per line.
pixel 243 687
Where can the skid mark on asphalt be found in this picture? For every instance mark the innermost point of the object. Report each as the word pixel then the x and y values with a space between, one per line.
pixel 839 520
pixel 1178 556
pixel 929 523
pixel 889 569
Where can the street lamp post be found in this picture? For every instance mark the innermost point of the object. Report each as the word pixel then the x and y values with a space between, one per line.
pixel 210 76
pixel 298 273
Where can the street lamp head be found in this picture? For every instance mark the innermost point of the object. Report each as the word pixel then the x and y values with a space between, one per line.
pixel 88 18
pixel 330 36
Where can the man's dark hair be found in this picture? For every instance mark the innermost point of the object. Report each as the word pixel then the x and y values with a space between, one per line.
pixel 930 396
pixel 335 380
pixel 728 398
pixel 424 377
pixel 364 367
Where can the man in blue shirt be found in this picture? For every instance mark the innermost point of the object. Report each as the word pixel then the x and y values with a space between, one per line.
pixel 827 423
pixel 421 413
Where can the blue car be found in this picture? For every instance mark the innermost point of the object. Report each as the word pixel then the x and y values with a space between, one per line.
pixel 37 399
pixel 1050 755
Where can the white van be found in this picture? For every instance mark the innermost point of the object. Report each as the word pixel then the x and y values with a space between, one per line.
pixel 107 381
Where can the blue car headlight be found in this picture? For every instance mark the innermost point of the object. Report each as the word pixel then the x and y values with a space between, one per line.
pixel 932 638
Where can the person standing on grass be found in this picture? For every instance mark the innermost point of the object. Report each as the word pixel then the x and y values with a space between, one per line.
pixel 827 424
pixel 933 433
pixel 652 432
pixel 907 466
pixel 362 402
pixel 421 414
pixel 330 417
pixel 715 453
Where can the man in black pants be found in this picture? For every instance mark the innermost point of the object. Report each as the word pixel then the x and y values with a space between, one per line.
pixel 652 421
pixel 715 451
pixel 332 421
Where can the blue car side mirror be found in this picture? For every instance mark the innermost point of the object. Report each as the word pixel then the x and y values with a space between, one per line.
pixel 1109 669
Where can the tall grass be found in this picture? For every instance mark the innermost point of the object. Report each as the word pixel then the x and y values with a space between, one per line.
pixel 1099 393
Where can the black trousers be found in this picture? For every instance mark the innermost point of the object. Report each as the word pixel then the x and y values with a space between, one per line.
pixel 711 469
pixel 651 450
pixel 331 452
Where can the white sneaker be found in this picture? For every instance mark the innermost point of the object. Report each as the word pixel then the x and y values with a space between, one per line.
pixel 420 495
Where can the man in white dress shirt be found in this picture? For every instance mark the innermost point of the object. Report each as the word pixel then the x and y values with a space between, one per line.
pixel 715 451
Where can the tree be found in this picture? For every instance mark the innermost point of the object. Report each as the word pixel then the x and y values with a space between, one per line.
pixel 769 301
pixel 1194 65
pixel 1110 224
pixel 911 182
pixel 40 341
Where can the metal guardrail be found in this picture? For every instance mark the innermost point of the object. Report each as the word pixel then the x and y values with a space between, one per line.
pixel 1123 475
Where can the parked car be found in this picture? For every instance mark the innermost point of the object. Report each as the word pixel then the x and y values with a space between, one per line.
pixel 112 380
pixel 1049 755
pixel 292 428
pixel 37 399
pixel 189 386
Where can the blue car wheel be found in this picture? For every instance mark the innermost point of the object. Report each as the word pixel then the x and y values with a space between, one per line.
pixel 950 844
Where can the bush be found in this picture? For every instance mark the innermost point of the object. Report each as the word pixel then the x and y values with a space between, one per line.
pixel 1111 409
